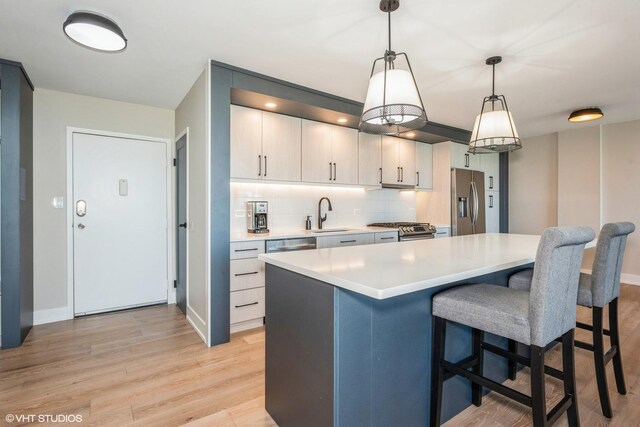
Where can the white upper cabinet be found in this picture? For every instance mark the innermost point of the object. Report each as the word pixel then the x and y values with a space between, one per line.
pixel 246 143
pixel 492 209
pixel 398 161
pixel 281 147
pixel 265 145
pixel 490 165
pixel 460 158
pixel 329 153
pixel 369 159
pixel 424 166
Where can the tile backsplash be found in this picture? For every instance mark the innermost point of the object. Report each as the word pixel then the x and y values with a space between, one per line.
pixel 289 205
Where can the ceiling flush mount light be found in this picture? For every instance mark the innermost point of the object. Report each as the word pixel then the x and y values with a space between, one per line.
pixel 271 105
pixel 342 120
pixel 393 104
pixel 494 130
pixel 95 32
pixel 586 114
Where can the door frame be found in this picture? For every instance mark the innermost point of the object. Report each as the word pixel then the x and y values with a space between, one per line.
pixel 171 294
pixel 184 133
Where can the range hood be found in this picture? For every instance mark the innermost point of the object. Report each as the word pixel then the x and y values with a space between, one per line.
pixel 399 186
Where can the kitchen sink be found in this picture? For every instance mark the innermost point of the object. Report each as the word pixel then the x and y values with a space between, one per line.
pixel 330 230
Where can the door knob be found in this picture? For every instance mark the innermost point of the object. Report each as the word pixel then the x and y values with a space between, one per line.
pixel 81 226
pixel 183 225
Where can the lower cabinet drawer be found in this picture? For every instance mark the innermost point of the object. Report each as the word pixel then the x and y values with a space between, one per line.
pixel 246 274
pixel 387 237
pixel 248 249
pixel 247 305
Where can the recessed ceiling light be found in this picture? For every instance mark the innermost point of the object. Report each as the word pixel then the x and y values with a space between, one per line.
pixel 95 32
pixel 410 134
pixel 586 114
pixel 342 120
pixel 271 105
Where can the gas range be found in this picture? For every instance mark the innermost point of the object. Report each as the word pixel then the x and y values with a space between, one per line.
pixel 410 230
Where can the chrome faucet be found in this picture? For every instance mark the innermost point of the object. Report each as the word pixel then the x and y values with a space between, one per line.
pixel 321 218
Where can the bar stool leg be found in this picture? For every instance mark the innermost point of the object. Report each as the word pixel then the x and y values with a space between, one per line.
pixel 615 341
pixel 437 371
pixel 568 368
pixel 513 366
pixel 538 402
pixel 477 339
pixel 598 357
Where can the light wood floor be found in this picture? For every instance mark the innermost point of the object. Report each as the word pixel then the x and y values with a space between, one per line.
pixel 147 367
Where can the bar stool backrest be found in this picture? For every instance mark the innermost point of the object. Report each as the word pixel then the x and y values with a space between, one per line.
pixel 605 277
pixel 554 287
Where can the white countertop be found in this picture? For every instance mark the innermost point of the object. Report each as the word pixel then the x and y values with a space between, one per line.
pixel 392 269
pixel 289 234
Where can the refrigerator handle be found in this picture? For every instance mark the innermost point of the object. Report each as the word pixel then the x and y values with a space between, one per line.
pixel 472 203
pixel 476 203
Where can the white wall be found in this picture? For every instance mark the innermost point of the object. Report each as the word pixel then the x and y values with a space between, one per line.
pixel 289 205
pixel 597 169
pixel 53 112
pixel 533 185
pixel 193 113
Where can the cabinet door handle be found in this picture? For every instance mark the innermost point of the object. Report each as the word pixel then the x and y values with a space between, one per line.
pixel 490 201
pixel 247 305
pixel 245 250
pixel 347 241
pixel 418 179
pixel 330 171
pixel 259 165
pixel 380 175
pixel 265 165
pixel 387 238
pixel 334 171
pixel 398 175
pixel 491 182
pixel 401 174
pixel 466 160
pixel 245 274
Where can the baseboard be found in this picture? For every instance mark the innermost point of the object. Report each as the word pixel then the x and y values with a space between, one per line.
pixel 50 315
pixel 625 278
pixel 249 324
pixel 198 324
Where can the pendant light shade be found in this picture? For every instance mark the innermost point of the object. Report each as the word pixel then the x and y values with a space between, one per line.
pixel 95 32
pixel 393 104
pixel 494 129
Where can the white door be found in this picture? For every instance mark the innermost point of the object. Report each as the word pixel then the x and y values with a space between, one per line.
pixel 407 161
pixel 344 154
pixel 369 159
pixel 424 166
pixel 317 164
pixel 490 165
pixel 390 166
pixel 281 147
pixel 120 223
pixel 246 143
pixel 492 209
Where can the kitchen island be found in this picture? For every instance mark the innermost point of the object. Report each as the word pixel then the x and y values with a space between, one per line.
pixel 348 330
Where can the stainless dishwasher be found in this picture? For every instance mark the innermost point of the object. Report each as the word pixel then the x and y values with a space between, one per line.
pixel 288 245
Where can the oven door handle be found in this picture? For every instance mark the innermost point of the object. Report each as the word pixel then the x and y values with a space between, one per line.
pixel 419 237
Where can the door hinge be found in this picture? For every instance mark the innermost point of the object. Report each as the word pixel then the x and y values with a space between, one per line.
pixel 175 283
pixel 175 162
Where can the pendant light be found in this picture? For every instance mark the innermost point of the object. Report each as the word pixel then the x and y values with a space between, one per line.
pixel 494 130
pixel 393 104
pixel 586 114
pixel 95 32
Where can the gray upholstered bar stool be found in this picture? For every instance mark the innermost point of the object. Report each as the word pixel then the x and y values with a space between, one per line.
pixel 596 290
pixel 533 318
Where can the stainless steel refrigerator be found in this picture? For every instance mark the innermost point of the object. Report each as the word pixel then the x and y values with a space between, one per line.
pixel 467 202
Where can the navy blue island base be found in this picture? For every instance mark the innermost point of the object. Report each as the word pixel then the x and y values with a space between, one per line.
pixel 339 358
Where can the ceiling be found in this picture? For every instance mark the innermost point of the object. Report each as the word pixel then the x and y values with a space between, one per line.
pixel 559 55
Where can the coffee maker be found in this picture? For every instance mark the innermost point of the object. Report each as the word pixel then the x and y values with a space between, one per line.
pixel 257 217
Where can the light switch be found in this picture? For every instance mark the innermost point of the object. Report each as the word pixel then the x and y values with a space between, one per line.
pixel 124 187
pixel 58 202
